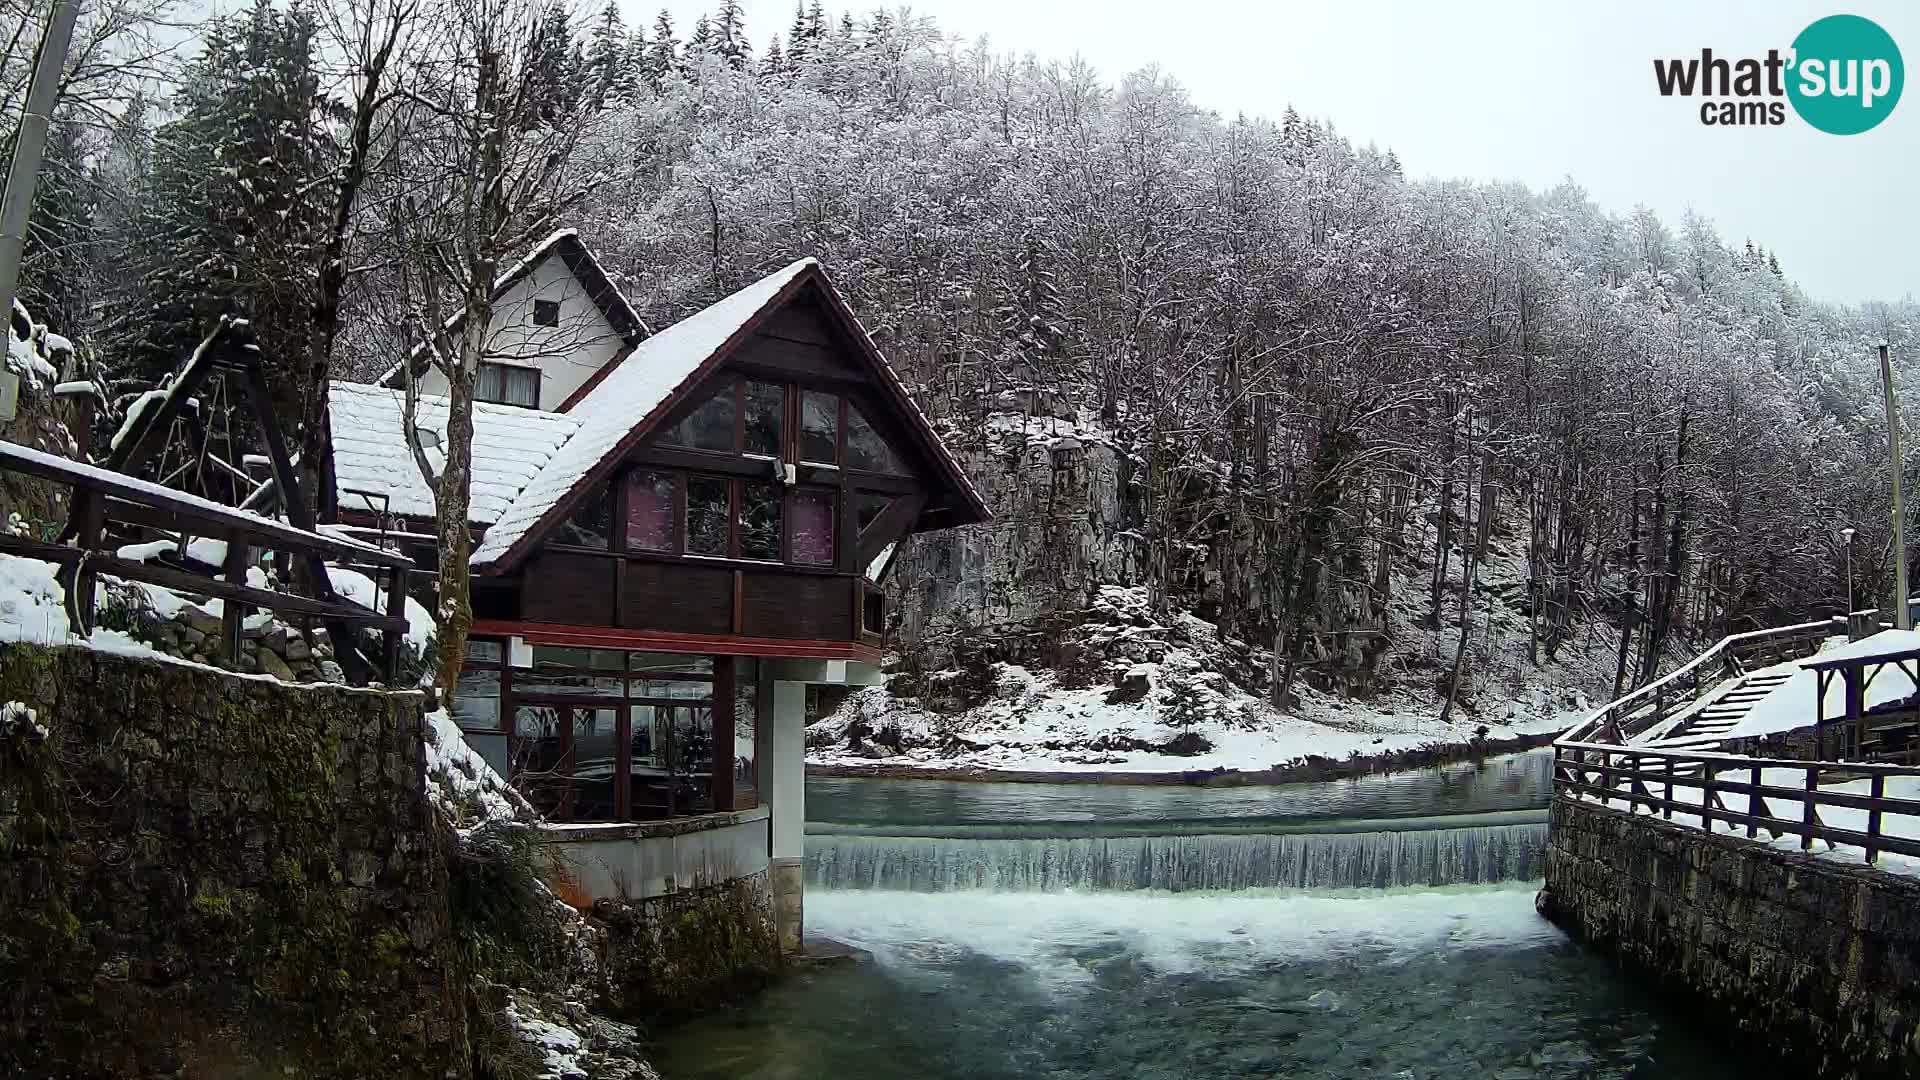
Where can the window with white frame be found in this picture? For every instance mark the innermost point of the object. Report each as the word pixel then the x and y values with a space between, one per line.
pixel 507 384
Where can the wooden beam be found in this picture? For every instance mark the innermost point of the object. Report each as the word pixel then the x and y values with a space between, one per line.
pixel 890 527
pixel 186 581
pixel 90 522
pixel 393 636
pixel 606 637
pixel 233 612
pixel 153 424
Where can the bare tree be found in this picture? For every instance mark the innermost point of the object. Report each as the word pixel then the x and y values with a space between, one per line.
pixel 497 166
pixel 368 34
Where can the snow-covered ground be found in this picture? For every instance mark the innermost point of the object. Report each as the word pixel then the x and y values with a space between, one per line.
pixel 1177 713
pixel 1035 725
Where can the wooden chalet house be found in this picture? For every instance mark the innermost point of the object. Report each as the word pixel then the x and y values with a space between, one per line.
pixel 676 531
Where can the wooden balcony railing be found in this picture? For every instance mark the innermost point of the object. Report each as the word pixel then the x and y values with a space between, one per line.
pixel 1740 792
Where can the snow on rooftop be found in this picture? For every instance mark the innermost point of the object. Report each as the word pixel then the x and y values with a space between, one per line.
pixel 370 450
pixel 629 393
pixel 1880 644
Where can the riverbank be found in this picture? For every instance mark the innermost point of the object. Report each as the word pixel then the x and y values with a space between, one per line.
pixel 1309 769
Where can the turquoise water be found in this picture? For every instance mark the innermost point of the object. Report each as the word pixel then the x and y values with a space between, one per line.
pixel 1006 948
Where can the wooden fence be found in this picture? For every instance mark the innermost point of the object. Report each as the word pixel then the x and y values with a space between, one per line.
pixel 1732 789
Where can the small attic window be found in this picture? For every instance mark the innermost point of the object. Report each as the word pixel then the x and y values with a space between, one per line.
pixel 546 313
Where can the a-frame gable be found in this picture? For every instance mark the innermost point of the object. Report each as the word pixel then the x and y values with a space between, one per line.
pixel 667 375
pixel 621 319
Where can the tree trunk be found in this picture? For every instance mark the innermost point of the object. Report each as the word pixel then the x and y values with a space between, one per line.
pixel 1476 543
pixel 455 614
pixel 333 267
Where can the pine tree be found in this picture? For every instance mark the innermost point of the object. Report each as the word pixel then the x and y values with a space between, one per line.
pixel 798 40
pixel 238 203
pixel 1185 706
pixel 610 72
pixel 729 30
pixel 663 53
pixel 1033 315
pixel 775 62
pixel 55 277
pixel 700 42
pixel 552 77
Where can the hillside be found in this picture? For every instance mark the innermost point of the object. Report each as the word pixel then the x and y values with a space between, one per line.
pixel 1034 643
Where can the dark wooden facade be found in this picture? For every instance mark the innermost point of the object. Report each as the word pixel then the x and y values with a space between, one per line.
pixel 799 382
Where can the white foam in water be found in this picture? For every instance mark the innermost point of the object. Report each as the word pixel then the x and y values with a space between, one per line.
pixel 1060 937
pixel 1342 860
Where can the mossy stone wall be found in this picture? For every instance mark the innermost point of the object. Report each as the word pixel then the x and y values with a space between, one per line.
pixel 206 876
pixel 1814 960
pixel 668 957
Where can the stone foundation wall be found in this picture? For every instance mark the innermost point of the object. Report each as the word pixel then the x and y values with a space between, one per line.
pixel 669 957
pixel 1816 961
pixel 206 876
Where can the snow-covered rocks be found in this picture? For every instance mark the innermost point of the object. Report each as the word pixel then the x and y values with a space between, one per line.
pixel 17 719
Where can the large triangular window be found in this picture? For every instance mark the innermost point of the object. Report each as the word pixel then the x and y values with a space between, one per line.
pixel 867 450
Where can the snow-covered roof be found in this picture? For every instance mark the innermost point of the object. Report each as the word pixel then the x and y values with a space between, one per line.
pixel 370 453
pixel 625 399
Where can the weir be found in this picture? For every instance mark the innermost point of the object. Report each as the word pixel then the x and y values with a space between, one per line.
pixel 1478 849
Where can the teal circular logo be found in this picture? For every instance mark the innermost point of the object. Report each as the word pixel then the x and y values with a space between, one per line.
pixel 1846 74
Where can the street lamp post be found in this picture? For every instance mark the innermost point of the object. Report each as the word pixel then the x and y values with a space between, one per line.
pixel 1846 538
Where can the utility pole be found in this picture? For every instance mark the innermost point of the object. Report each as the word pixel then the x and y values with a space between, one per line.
pixel 29 142
pixel 1902 617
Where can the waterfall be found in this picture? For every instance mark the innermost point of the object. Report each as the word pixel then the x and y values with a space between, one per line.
pixel 1382 858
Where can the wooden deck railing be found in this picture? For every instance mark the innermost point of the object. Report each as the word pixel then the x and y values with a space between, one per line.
pixel 1669 782
pixel 1685 685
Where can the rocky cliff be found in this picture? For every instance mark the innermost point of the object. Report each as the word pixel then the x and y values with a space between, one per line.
pixel 1063 631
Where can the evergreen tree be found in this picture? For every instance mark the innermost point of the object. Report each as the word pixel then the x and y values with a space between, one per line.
pixel 1033 315
pixel 55 268
pixel 552 73
pixel 238 203
pixel 663 53
pixel 609 75
pixel 1185 705
pixel 729 30
pixel 798 40
pixel 775 62
pixel 700 42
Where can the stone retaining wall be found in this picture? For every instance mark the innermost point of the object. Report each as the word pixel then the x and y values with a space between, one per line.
pixel 1815 960
pixel 208 876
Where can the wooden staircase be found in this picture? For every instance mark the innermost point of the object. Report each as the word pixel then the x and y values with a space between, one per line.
pixel 1707 725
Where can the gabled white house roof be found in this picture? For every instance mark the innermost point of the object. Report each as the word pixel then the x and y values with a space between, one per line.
pixel 370 451
pixel 584 266
pixel 625 399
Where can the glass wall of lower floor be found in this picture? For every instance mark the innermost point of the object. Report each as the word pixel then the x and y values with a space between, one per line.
pixel 616 735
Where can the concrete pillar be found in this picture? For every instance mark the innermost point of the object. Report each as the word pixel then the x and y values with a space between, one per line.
pixel 786 779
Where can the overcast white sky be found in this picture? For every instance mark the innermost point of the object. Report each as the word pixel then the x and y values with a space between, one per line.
pixel 1505 89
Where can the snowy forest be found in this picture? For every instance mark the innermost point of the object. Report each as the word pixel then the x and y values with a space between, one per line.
pixel 1322 383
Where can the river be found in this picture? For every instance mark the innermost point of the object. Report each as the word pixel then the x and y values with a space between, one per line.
pixel 1380 927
